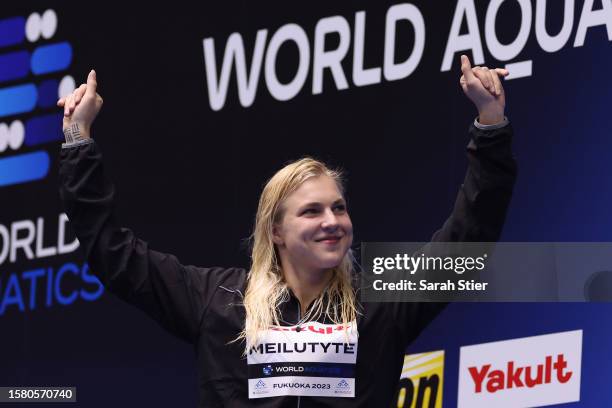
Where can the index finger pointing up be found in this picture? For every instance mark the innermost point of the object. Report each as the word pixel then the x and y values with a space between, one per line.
pixel 466 68
pixel 91 84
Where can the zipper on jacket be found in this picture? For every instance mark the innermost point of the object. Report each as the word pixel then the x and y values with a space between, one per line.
pixel 299 318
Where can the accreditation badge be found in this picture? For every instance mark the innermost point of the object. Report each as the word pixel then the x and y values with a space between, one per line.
pixel 311 360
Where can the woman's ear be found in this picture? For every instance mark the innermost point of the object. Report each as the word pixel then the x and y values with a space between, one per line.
pixel 277 235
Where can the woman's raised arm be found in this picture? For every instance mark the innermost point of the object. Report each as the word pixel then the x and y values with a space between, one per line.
pixel 175 295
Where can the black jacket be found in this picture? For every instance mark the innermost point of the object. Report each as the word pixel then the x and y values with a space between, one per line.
pixel 202 305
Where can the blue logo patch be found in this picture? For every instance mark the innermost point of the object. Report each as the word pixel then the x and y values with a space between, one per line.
pixel 267 370
pixel 30 94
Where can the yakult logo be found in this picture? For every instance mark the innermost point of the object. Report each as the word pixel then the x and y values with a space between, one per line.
pixel 517 377
pixel 527 372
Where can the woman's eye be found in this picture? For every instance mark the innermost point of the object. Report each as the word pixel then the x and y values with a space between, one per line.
pixel 313 211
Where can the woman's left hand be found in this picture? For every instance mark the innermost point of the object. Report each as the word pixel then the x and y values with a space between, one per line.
pixel 484 88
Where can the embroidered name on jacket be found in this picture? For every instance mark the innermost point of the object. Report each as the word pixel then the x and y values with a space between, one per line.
pixel 313 359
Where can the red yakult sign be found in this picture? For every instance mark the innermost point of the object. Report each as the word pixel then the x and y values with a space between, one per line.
pixel 527 372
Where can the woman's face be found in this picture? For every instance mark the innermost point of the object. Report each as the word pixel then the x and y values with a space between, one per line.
pixel 315 231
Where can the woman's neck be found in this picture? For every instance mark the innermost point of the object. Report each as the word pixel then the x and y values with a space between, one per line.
pixel 306 285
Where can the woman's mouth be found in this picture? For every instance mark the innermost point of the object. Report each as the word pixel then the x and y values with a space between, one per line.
pixel 329 240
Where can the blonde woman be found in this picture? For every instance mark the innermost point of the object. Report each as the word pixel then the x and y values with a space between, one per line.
pixel 290 331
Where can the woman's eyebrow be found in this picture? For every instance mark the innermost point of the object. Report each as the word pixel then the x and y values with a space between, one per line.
pixel 311 204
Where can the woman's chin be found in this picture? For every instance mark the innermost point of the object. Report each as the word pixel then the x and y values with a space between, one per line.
pixel 330 262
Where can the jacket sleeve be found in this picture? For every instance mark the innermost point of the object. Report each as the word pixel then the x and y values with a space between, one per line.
pixel 480 208
pixel 176 296
pixel 478 214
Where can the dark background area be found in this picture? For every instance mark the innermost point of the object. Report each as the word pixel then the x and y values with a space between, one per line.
pixel 188 178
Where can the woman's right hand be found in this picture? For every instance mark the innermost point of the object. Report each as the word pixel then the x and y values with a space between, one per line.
pixel 82 106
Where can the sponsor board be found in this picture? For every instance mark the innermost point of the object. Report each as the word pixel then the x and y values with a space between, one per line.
pixel 421 382
pixel 527 372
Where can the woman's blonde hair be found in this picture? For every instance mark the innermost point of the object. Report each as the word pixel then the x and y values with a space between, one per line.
pixel 266 287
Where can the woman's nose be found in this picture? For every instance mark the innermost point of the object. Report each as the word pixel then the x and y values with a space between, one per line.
pixel 330 220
